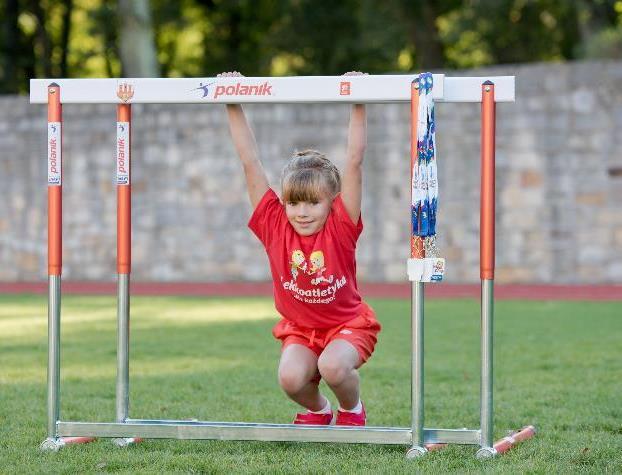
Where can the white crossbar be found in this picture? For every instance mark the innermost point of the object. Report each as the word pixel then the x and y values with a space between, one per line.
pixel 298 89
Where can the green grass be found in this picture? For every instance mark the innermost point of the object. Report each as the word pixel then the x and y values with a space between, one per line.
pixel 558 365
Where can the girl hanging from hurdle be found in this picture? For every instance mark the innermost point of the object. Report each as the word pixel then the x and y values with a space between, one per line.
pixel 310 234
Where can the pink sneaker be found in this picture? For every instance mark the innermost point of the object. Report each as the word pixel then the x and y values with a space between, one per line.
pixel 351 418
pixel 310 418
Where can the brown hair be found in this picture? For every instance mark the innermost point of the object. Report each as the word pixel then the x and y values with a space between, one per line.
pixel 309 176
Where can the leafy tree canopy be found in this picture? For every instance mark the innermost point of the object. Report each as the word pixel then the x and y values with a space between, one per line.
pixel 81 38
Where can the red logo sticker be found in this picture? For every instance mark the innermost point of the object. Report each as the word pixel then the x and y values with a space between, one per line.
pixel 125 92
pixel 344 90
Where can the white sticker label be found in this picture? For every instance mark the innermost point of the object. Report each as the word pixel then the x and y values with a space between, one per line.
pixel 428 269
pixel 123 153
pixel 54 153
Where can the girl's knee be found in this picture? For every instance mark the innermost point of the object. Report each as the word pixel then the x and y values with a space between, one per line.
pixel 292 380
pixel 333 370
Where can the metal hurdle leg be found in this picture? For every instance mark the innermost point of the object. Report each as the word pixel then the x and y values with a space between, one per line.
pixel 55 255
pixel 487 266
pixel 123 359
pixel 486 385
pixel 487 269
pixel 123 350
pixel 123 343
pixel 54 263
pixel 53 442
pixel 124 259
pixel 418 448
pixel 417 250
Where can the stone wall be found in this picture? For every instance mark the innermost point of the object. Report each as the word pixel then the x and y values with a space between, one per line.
pixel 559 184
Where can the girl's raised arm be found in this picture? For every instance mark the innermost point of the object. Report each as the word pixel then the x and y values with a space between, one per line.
pixel 246 146
pixel 352 180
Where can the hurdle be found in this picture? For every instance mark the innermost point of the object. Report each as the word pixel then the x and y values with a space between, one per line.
pixel 241 90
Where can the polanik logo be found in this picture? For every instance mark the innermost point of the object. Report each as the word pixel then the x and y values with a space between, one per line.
pixel 54 153
pixel 123 153
pixel 235 89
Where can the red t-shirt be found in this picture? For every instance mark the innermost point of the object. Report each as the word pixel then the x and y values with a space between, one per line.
pixel 314 276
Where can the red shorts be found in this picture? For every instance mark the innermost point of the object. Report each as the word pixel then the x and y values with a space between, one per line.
pixel 360 332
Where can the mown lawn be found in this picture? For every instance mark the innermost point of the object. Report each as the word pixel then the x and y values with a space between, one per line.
pixel 558 365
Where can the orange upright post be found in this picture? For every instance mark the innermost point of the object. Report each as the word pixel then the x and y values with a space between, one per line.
pixel 487 196
pixel 124 189
pixel 55 186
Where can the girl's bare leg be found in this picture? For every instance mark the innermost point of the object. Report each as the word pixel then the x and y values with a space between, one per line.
pixel 337 365
pixel 297 368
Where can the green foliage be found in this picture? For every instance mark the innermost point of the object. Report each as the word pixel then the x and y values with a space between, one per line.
pixel 606 42
pixel 508 31
pixel 557 365
pixel 80 38
pixel 332 38
pixel 202 38
pixel 97 55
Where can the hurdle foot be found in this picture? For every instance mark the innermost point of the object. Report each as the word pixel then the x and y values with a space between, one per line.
pixel 416 452
pixel 486 453
pixel 52 444
pixel 126 441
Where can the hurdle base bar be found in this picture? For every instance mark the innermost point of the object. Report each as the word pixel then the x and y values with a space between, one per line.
pixel 173 429
pixel 136 430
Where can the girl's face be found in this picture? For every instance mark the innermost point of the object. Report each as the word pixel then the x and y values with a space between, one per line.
pixel 308 217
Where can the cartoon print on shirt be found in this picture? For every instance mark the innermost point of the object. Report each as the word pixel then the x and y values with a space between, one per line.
pixel 317 268
pixel 299 262
pixel 299 265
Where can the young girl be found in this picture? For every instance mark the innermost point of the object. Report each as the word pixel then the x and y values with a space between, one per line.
pixel 327 330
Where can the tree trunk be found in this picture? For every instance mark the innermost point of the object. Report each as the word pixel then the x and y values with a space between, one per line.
pixel 44 39
pixel 10 47
pixel 137 45
pixel 233 40
pixel 428 48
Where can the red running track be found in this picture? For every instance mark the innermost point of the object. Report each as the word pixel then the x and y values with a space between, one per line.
pixel 368 289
